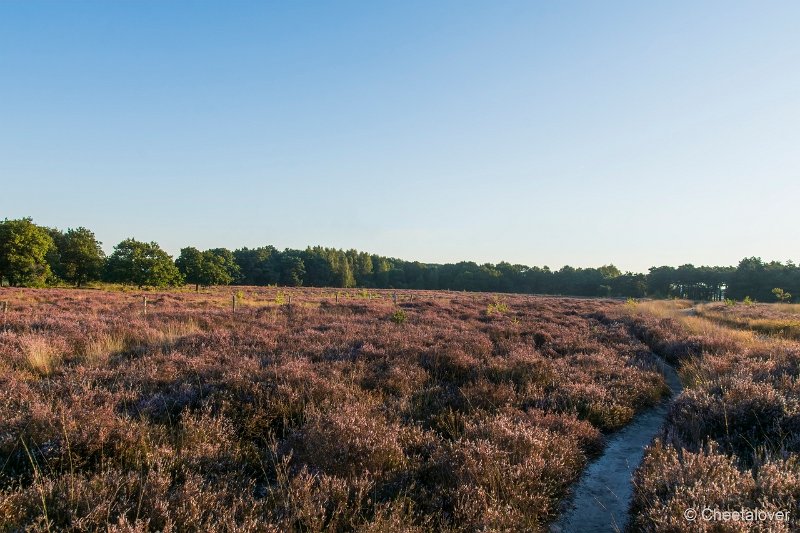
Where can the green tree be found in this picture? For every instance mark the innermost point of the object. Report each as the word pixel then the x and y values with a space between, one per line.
pixel 781 294
pixel 211 267
pixel 80 256
pixel 53 256
pixel 215 270
pixel 293 270
pixel 142 264
pixel 609 271
pixel 24 248
pixel 363 268
pixel 257 266
pixel 344 273
pixel 190 264
pixel 226 260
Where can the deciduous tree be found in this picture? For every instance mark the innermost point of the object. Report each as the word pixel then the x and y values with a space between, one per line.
pixel 81 256
pixel 24 248
pixel 142 264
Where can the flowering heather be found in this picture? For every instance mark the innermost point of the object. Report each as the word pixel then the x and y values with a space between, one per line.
pixel 312 410
pixel 732 439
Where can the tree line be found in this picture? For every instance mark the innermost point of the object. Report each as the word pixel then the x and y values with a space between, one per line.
pixel 33 255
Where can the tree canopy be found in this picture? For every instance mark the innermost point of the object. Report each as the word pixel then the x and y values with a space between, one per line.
pixel 81 256
pixel 34 255
pixel 24 248
pixel 142 264
pixel 210 267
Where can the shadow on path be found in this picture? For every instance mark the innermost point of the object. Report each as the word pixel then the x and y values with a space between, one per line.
pixel 602 496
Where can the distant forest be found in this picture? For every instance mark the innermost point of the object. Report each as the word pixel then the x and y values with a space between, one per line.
pixel 33 255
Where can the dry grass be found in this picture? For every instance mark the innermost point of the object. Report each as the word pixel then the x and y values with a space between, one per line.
pixel 39 354
pixel 99 347
pixel 779 320
pixel 658 308
pixel 789 309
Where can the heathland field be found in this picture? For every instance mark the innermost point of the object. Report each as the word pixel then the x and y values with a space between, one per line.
pixel 325 410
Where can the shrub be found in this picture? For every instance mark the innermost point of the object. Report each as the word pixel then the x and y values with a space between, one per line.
pixel 399 316
pixel 333 418
pixel 349 441
pixel 497 308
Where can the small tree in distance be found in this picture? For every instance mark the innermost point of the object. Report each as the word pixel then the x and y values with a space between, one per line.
pixel 781 294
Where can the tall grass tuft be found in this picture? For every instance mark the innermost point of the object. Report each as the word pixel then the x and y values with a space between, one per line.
pixel 40 355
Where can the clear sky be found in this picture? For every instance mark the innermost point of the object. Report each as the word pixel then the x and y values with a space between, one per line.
pixel 544 133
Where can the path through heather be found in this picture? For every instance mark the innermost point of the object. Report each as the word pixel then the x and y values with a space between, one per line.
pixel 602 496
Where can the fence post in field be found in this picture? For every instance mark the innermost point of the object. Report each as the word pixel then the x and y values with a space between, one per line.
pixel 233 302
pixel 337 297
pixel 290 300
pixel 144 299
pixel 394 298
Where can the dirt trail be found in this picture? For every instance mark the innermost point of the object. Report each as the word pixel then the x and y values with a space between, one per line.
pixel 602 496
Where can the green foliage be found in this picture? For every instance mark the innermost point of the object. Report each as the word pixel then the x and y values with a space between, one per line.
pixel 399 316
pixel 211 267
pixel 747 301
pixel 81 257
pixel 24 249
pixel 781 294
pixel 610 271
pixel 142 264
pixel 730 302
pixel 75 256
pixel 189 264
pixel 293 270
pixel 497 307
pixel 257 266
pixel 280 299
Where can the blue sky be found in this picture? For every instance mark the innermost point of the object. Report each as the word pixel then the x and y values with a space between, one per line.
pixel 544 133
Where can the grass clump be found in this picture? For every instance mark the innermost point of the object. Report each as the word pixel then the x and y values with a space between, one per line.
pixel 41 357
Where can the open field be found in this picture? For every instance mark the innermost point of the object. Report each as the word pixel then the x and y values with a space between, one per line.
pixel 768 319
pixel 326 410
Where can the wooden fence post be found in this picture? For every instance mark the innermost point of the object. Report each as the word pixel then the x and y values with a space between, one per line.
pixel 233 302
pixel 144 298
